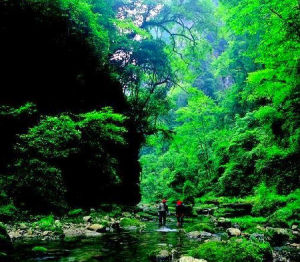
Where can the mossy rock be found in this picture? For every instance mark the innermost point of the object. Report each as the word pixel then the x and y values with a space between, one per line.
pixel 130 223
pixel 160 256
pixel 235 250
pixel 75 212
pixel 208 227
pixel 39 249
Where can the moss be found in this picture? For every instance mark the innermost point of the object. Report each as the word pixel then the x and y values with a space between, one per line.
pixel 286 216
pixel 129 222
pixel 75 212
pixel 39 249
pixel 249 223
pixel 233 251
pixel 201 227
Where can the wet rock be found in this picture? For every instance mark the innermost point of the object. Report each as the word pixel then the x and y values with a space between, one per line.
pixel 258 237
pixel 296 245
pixel 200 235
pixel 286 254
pixel 14 234
pixel 92 234
pixel 162 256
pixel 194 234
pixel 87 219
pixel 233 232
pixel 205 235
pixel 23 226
pixel 46 233
pixel 190 259
pixel 97 228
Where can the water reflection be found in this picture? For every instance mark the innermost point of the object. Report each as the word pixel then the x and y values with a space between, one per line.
pixel 110 247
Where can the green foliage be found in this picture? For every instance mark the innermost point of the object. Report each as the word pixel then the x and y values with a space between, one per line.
pixel 7 212
pixel 48 223
pixel 233 250
pixel 248 133
pixel 266 200
pixel 249 223
pixel 55 141
pixel 207 227
pixel 289 214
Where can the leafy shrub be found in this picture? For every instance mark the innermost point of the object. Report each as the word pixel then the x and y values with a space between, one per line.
pixel 48 224
pixel 7 212
pixel 235 250
pixel 266 200
pixel 61 155
pixel 288 215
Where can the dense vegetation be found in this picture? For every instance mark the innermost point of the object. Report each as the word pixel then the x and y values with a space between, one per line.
pixel 106 103
pixel 237 124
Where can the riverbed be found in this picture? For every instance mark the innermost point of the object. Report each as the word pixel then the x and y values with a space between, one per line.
pixel 108 247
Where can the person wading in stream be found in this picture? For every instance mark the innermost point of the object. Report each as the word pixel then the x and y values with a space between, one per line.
pixel 179 213
pixel 162 212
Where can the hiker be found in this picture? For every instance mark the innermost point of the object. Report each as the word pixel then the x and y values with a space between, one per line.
pixel 179 213
pixel 162 212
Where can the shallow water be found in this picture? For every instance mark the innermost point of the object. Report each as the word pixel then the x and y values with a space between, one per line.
pixel 110 247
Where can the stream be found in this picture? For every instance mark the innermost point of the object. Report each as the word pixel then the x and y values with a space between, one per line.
pixel 109 247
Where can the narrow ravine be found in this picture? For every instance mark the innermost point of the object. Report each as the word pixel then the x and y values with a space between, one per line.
pixel 136 236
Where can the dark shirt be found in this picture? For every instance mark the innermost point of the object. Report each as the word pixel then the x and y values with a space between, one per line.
pixel 180 209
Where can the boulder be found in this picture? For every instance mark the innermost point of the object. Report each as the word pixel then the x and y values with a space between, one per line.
pixel 97 228
pixel 205 235
pixel 194 234
pixel 190 259
pixel 295 245
pixel 200 235
pixel 87 219
pixel 233 232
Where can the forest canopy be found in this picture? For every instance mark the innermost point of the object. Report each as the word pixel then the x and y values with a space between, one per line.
pixel 176 99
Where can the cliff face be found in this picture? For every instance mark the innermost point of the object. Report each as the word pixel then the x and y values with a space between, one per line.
pixel 48 61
